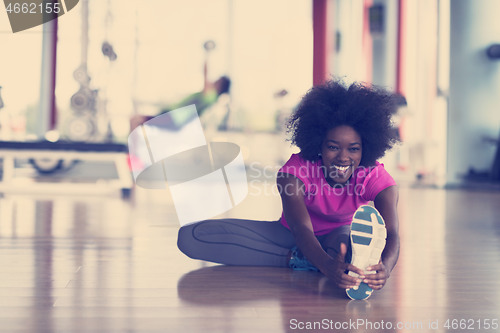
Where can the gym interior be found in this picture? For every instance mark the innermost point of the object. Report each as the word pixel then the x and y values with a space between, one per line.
pixel 88 235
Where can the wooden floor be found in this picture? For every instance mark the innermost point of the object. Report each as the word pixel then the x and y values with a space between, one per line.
pixel 102 264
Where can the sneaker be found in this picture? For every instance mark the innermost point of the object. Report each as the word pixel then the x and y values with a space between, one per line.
pixel 368 235
pixel 299 263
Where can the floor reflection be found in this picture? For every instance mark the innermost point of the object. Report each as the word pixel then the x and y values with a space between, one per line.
pixel 103 264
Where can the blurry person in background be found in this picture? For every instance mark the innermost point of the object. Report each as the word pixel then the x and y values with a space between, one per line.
pixel 203 100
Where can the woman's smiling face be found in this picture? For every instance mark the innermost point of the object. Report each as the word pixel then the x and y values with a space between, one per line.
pixel 341 154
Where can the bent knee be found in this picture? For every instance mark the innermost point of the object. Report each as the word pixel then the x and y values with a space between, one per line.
pixel 185 241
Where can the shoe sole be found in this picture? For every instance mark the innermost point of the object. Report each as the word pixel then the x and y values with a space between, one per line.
pixel 368 237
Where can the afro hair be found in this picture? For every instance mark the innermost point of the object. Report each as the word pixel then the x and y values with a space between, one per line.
pixel 367 109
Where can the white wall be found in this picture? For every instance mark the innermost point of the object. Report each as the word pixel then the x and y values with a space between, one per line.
pixel 349 61
pixel 474 110
pixel 385 46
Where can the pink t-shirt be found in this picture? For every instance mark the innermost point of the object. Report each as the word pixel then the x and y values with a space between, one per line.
pixel 331 207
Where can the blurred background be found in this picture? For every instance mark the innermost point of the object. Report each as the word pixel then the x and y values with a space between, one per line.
pixel 86 76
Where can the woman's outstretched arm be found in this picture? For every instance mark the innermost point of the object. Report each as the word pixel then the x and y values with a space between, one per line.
pixel 292 196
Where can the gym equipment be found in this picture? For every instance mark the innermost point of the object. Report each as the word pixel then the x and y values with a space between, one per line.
pixel 49 157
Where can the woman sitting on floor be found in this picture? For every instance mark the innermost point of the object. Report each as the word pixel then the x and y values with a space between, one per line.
pixel 327 224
